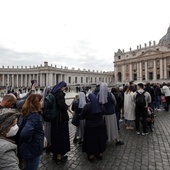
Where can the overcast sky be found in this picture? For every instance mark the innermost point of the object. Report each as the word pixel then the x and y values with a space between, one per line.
pixel 77 33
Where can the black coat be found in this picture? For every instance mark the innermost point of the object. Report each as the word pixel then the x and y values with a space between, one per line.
pixel 63 107
pixel 92 119
pixel 150 90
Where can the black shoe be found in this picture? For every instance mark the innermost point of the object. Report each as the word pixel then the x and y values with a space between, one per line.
pixel 80 142
pixel 119 143
pixel 48 149
pixel 90 159
pixel 62 160
pixel 75 140
pixel 54 157
pixel 99 157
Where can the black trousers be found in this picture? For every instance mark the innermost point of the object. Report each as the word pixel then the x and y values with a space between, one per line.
pixel 141 113
pixel 167 103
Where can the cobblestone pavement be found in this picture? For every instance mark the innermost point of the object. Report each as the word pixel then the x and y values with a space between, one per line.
pixel 150 152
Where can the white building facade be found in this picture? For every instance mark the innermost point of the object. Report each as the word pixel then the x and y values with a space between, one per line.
pixel 150 63
pixel 46 75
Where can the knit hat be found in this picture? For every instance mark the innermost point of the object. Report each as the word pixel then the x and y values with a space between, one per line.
pixel 7 117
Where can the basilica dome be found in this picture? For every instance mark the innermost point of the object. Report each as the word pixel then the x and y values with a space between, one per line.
pixel 165 40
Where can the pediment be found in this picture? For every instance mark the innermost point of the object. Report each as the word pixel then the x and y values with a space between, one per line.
pixel 149 53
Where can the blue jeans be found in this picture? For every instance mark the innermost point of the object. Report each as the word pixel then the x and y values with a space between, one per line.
pixel 32 164
pixel 129 122
pixel 158 101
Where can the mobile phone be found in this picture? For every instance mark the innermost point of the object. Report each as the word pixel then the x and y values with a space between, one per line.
pixel 33 82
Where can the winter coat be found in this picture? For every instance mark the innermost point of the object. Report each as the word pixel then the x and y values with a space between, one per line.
pixel 151 91
pixel 75 107
pixel 129 106
pixel 31 136
pixel 166 90
pixel 119 100
pixel 8 155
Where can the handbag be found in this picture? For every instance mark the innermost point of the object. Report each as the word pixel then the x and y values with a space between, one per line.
pixel 75 120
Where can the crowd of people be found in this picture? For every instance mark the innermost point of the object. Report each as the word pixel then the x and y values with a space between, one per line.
pixel 24 130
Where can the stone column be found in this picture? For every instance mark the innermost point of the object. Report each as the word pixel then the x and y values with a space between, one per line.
pixel 30 77
pixel 123 73
pixel 115 73
pixel 130 72
pixel 161 69
pixel 47 79
pixel 41 80
pixel 26 78
pixel 54 79
pixel 61 77
pixel 50 79
pixel 154 70
pixel 21 80
pixel 8 80
pixel 165 69
pixel 140 71
pixel 3 78
pixel 17 81
pixel 12 79
pixel 146 70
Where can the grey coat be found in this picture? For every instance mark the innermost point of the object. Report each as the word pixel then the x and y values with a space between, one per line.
pixel 8 157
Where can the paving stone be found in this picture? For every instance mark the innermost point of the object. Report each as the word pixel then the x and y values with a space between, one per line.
pixel 151 152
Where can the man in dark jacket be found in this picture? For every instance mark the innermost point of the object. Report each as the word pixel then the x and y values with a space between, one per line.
pixel 150 90
pixel 140 110
pixel 158 97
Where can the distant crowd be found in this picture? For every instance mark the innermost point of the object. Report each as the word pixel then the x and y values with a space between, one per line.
pixel 36 122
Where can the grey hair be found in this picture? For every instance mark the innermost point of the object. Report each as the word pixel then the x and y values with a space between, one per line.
pixel 7 117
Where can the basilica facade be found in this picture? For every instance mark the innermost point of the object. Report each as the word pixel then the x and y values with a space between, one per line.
pixel 49 75
pixel 150 63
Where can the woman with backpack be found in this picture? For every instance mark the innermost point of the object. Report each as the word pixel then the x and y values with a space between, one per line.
pixel 60 141
pixel 31 132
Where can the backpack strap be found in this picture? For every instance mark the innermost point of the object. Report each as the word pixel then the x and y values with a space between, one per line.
pixel 144 92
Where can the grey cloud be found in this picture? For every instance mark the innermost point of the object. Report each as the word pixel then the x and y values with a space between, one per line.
pixel 83 59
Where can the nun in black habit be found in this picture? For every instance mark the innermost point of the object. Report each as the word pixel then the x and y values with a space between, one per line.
pixel 60 141
pixel 95 135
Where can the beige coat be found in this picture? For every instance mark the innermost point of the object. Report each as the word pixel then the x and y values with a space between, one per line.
pixel 129 106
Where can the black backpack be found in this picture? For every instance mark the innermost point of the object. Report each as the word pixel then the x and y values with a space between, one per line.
pixel 140 100
pixel 50 111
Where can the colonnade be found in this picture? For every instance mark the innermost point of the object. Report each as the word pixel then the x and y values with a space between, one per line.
pixel 142 70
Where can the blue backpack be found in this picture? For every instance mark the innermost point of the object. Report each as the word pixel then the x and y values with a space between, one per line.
pixel 50 111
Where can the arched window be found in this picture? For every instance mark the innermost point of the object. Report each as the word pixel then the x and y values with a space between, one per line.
pixel 119 76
